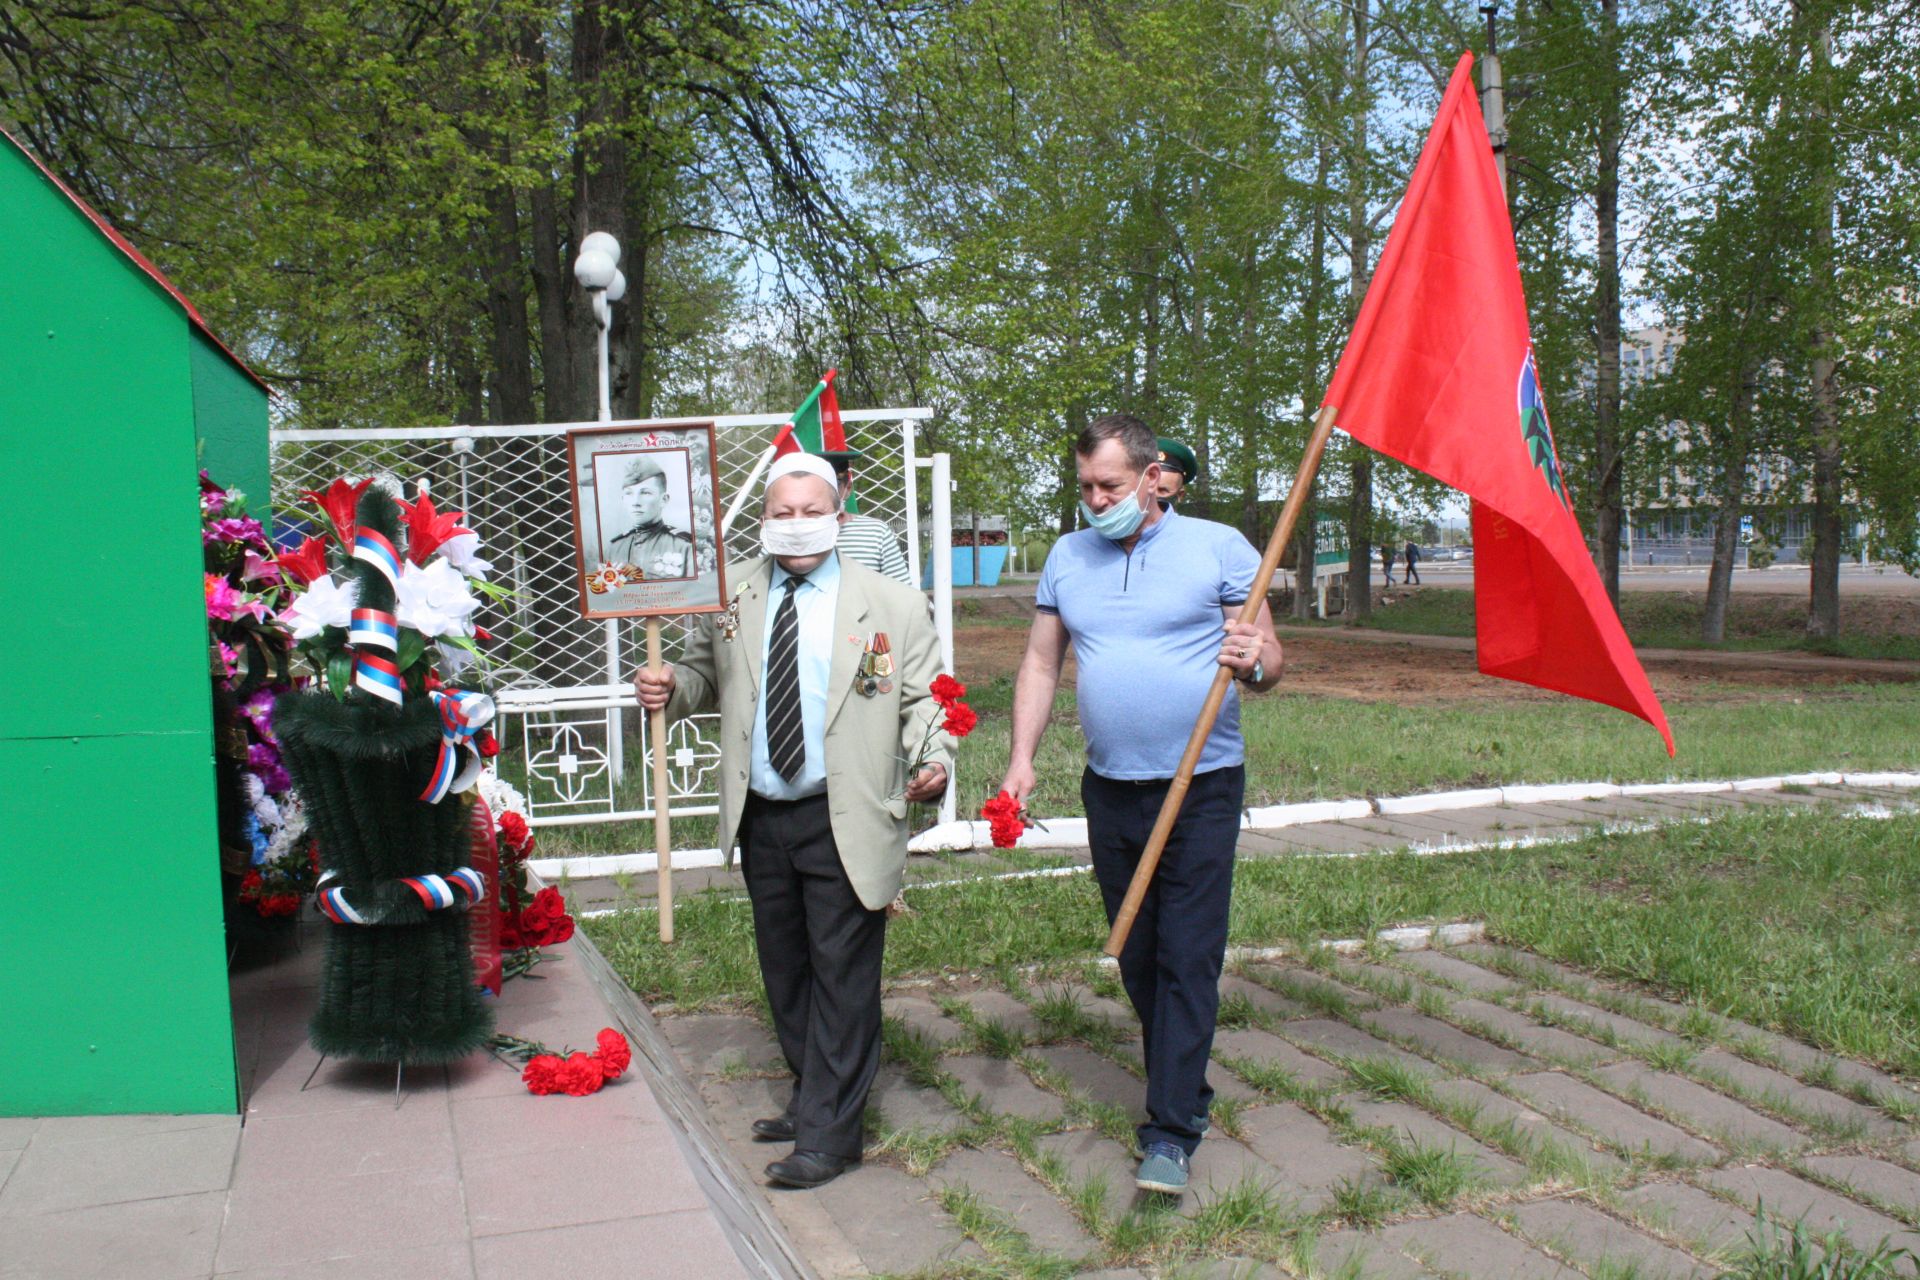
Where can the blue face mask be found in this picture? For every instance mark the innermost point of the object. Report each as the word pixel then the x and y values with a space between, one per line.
pixel 1119 520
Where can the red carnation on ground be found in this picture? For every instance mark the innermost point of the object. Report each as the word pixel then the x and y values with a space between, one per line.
pixel 1004 821
pixel 614 1053
pixel 542 1074
pixel 340 502
pixel 580 1075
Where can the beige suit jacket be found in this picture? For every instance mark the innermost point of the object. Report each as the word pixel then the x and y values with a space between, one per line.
pixel 869 740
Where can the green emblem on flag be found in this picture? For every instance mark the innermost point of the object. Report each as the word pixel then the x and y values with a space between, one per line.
pixel 1537 432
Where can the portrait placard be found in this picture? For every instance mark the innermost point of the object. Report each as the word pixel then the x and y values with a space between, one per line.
pixel 645 515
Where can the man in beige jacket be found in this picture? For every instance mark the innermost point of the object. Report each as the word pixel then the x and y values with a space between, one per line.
pixel 823 688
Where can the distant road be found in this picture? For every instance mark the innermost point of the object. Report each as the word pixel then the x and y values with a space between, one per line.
pixel 1786 580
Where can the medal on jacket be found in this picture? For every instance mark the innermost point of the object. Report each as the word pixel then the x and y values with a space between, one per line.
pixel 876 666
pixel 729 620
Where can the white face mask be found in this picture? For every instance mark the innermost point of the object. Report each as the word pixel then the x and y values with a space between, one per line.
pixel 800 535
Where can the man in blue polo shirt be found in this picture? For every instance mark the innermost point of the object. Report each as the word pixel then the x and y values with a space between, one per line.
pixel 1148 599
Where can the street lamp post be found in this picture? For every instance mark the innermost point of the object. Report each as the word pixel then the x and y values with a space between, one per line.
pixel 598 271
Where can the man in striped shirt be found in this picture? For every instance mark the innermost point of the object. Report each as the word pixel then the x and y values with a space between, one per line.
pixel 871 542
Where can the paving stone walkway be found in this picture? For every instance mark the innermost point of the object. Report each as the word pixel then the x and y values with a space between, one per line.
pixel 1475 1112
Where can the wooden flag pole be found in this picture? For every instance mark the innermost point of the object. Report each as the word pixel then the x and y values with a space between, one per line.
pixel 1256 596
pixel 662 834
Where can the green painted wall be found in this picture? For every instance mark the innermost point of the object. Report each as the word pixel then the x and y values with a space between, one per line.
pixel 115 986
pixel 230 418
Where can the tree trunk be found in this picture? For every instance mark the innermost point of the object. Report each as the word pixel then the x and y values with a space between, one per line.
pixel 1823 602
pixel 548 262
pixel 1733 488
pixel 1607 445
pixel 511 338
pixel 1359 270
pixel 599 193
pixel 1305 549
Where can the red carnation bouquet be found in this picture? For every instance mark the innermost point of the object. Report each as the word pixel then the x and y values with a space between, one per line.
pixel 1007 820
pixel 957 718
pixel 571 1072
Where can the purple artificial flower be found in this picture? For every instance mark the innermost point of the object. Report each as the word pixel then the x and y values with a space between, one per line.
pixel 258 710
pixel 264 762
pixel 241 529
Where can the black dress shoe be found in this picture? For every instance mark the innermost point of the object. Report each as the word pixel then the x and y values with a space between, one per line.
pixel 810 1168
pixel 774 1129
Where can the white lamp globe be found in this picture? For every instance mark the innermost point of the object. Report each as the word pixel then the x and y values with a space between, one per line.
pixel 594 270
pixel 618 289
pixel 602 242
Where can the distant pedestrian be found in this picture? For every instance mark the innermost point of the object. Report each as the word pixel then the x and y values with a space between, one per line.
pixel 1413 560
pixel 1386 561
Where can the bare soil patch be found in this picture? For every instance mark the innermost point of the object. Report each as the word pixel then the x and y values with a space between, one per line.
pixel 1415 675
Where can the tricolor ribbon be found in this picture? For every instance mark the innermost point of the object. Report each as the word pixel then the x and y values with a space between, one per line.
pixel 374 627
pixel 333 903
pixel 461 887
pixel 462 715
pixel 371 546
pixel 378 676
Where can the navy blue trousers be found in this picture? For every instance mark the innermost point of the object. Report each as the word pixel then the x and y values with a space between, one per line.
pixel 1171 963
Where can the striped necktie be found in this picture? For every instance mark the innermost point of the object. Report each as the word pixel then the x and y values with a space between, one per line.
pixel 786 740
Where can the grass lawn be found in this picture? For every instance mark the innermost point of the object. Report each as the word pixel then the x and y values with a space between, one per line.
pixel 1875 627
pixel 1804 922
pixel 1307 748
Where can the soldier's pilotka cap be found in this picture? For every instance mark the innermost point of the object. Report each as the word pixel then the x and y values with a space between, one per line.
pixel 643 467
pixel 1179 458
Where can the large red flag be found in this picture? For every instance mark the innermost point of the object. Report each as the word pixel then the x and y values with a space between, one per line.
pixel 1439 373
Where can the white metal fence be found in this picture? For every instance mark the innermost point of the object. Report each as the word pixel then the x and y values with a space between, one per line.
pixel 563 678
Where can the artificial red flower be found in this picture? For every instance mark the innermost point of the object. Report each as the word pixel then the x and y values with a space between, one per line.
pixel 483 635
pixel 427 528
pixel 514 830
pixel 946 690
pixel 542 1074
pixel 250 885
pixel 279 904
pixel 305 564
pixel 960 720
pixel 488 744
pixel 580 1075
pixel 341 501
pixel 614 1053
pixel 1003 820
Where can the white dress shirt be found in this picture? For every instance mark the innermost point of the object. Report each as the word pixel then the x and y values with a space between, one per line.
pixel 814 602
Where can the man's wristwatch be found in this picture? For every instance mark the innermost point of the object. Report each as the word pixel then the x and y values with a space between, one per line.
pixel 1254 676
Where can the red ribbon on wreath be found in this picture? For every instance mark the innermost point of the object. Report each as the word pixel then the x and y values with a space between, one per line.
pixel 484 857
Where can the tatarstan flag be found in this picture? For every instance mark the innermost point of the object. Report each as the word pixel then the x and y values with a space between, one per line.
pixel 815 425
pixel 815 428
pixel 1439 373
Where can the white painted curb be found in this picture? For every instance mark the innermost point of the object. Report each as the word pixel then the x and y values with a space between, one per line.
pixel 1674 788
pixel 1292 815
pixel 1433 801
pixel 1536 793
pixel 1071 833
pixel 1883 779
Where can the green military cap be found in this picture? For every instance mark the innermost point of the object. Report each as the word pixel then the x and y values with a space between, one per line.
pixel 1177 456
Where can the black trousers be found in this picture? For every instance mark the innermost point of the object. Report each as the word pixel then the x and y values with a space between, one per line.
pixel 820 952
pixel 1171 963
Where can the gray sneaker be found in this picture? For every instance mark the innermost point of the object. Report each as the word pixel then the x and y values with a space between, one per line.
pixel 1164 1169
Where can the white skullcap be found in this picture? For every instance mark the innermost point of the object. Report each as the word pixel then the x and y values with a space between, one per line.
pixel 809 464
